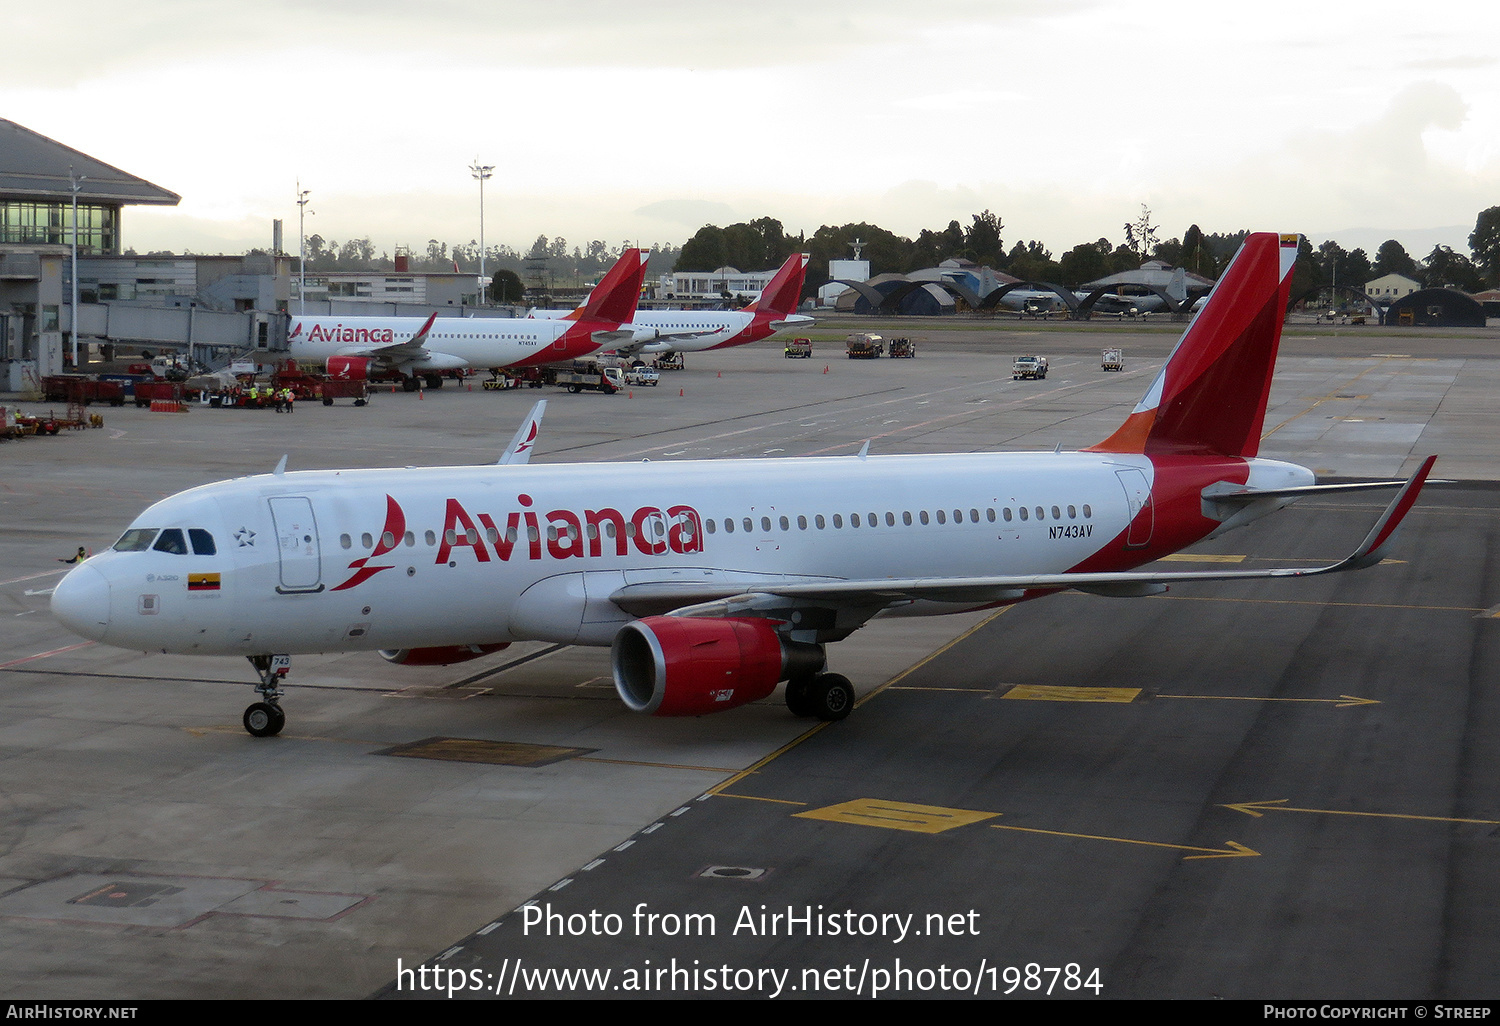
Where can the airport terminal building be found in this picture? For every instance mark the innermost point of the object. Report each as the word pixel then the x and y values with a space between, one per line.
pixel 38 178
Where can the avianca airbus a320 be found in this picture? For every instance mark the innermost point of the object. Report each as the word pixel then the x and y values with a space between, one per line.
pixel 352 346
pixel 692 331
pixel 713 581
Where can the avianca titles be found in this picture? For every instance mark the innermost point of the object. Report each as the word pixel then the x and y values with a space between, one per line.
pixel 692 331
pixel 713 581
pixel 354 346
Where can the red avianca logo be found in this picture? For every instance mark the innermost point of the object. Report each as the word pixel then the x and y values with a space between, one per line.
pixel 591 533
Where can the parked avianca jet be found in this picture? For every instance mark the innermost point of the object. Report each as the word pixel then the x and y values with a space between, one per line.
pixel 351 347
pixel 692 331
pixel 713 581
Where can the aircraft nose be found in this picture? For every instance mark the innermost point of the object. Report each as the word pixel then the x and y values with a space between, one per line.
pixel 81 602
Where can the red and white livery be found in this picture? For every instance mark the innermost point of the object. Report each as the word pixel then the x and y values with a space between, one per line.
pixel 354 347
pixel 693 331
pixel 713 581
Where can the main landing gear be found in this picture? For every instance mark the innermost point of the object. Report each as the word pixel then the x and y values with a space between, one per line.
pixel 825 696
pixel 266 718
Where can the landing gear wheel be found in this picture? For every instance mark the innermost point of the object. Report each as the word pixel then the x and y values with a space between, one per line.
pixel 409 384
pixel 830 696
pixel 434 381
pixel 264 720
pixel 797 702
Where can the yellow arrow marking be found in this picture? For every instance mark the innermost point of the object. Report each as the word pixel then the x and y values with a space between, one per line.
pixel 1233 851
pixel 1341 702
pixel 1256 809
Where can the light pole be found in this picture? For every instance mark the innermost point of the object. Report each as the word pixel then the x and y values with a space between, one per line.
pixel 75 182
pixel 302 195
pixel 482 173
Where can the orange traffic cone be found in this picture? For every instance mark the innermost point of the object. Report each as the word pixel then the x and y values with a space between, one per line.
pixel 721 374
pixel 421 394
pixel 825 368
pixel 681 392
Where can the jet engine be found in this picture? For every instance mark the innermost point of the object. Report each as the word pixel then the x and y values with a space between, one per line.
pixel 440 655
pixel 688 666
pixel 349 368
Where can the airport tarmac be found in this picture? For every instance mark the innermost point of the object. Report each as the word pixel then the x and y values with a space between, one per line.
pixel 150 848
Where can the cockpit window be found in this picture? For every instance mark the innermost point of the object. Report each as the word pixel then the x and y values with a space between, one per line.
pixel 137 539
pixel 171 540
pixel 203 542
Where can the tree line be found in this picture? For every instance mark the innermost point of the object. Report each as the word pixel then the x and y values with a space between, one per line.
pixel 763 244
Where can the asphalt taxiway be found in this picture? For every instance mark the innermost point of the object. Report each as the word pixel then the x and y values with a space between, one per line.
pixel 149 848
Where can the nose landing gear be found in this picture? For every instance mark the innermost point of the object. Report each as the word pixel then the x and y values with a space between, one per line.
pixel 266 718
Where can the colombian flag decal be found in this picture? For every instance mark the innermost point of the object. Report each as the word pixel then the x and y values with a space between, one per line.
pixel 203 582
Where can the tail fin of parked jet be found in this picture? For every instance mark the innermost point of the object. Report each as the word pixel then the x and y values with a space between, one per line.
pixel 783 292
pixel 615 297
pixel 1210 397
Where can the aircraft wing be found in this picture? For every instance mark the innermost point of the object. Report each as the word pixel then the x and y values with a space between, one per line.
pixel 724 598
pixel 414 348
pixel 685 334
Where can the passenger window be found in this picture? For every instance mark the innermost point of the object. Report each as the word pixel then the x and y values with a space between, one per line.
pixel 765 524
pixel 974 516
pixel 1006 513
pixel 906 518
pixel 430 538
pixel 923 516
pixel 942 517
pixel 838 521
pixel 1087 511
pixel 137 540
pixel 728 525
pixel 801 523
pixel 991 514
pixel 786 525
pixel 171 540
pixel 1056 513
pixel 1041 514
pixel 853 519
pixel 709 524
pixel 819 521
pixel 1023 513
pixel 1072 512
pixel 748 525
pixel 346 541
pixel 203 542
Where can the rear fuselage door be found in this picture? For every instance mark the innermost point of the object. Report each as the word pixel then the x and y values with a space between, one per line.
pixel 297 543
pixel 1142 515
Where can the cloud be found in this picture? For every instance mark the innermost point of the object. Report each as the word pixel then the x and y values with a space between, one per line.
pixel 691 213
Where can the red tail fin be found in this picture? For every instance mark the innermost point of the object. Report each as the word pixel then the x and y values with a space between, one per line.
pixel 1210 397
pixel 617 293
pixel 783 292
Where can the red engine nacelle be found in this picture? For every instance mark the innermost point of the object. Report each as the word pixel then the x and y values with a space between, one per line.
pixel 349 368
pixel 440 655
pixel 685 666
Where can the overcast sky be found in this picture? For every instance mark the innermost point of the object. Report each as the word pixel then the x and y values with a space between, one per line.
pixel 644 121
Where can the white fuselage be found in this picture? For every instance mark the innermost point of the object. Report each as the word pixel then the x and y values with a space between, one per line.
pixel 692 331
pixel 322 561
pixel 474 341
